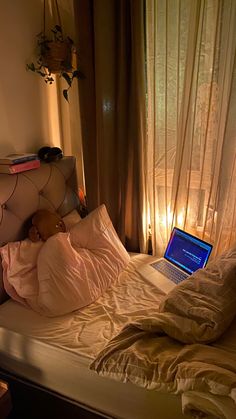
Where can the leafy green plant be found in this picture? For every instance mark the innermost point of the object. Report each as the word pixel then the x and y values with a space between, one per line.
pixel 55 56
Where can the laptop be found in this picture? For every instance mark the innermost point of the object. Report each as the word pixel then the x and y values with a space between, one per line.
pixel 184 255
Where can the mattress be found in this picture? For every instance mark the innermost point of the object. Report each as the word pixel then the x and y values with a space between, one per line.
pixel 56 352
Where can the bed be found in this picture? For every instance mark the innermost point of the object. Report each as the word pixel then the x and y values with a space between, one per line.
pixel 55 354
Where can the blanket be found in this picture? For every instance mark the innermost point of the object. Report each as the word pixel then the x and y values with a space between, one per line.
pixel 175 348
pixel 161 363
pixel 68 271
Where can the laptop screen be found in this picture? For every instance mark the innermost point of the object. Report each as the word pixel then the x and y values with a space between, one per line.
pixel 186 251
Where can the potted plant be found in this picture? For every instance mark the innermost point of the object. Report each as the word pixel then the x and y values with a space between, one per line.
pixel 56 55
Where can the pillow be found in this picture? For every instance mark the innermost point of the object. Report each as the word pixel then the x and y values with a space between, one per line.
pixel 68 271
pixel 75 268
pixel 71 219
pixel 19 268
pixel 202 307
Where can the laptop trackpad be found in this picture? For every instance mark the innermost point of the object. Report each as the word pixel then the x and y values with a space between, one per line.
pixel 156 278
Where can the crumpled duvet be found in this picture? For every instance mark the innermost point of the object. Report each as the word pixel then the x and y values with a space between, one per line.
pixel 158 362
pixel 208 406
pixel 69 270
pixel 166 349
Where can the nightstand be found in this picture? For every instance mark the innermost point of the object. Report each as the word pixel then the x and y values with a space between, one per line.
pixel 5 400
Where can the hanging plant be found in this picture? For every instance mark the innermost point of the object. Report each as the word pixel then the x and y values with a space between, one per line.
pixel 56 55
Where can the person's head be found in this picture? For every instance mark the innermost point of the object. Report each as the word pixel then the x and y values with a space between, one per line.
pixel 44 225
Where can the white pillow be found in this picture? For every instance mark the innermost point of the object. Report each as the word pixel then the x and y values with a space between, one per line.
pixel 68 271
pixel 201 308
pixel 71 219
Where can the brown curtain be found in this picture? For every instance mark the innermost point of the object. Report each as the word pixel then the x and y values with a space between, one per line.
pixel 110 36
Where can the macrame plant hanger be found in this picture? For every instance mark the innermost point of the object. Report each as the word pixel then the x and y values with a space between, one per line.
pixel 58 54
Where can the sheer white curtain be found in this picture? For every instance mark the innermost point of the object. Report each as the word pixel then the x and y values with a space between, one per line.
pixel 191 106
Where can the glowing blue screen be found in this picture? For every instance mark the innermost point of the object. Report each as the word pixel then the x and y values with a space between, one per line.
pixel 186 251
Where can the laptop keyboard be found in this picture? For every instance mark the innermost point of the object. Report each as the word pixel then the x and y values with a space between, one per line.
pixel 169 271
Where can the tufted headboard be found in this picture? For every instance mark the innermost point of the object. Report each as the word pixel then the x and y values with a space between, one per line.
pixel 52 186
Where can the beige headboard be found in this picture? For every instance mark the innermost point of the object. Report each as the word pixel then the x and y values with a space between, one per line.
pixel 52 186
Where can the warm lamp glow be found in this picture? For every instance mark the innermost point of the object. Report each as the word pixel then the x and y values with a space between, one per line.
pixel 167 219
pixel 180 219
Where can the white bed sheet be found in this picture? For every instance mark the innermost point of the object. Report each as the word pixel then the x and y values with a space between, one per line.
pixel 87 331
pixel 56 352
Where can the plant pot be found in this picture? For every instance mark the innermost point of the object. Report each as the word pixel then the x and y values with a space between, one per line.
pixel 57 56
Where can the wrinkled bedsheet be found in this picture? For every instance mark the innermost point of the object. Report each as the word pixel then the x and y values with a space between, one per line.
pixel 186 346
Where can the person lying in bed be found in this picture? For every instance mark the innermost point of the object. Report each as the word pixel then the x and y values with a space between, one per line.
pixel 45 224
pixel 55 272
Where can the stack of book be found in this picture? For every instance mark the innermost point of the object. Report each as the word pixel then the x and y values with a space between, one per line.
pixel 16 163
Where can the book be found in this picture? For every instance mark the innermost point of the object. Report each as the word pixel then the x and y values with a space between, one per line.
pixel 17 158
pixel 20 167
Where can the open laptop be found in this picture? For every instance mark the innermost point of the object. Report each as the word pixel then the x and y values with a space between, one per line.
pixel 184 255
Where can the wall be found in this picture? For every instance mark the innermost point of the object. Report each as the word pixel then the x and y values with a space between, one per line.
pixel 32 113
pixel 24 122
